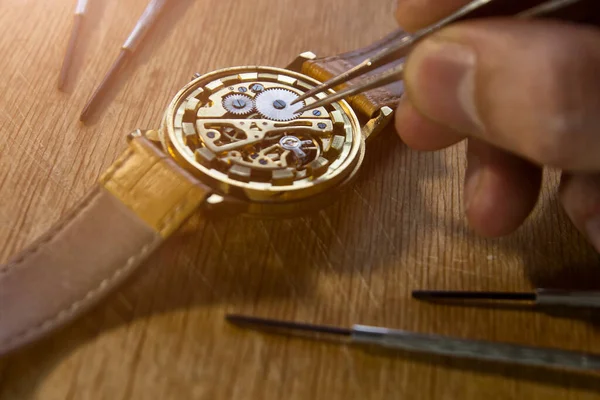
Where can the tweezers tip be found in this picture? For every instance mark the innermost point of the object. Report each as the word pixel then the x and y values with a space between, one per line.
pixel 308 94
pixel 300 98
pixel 303 109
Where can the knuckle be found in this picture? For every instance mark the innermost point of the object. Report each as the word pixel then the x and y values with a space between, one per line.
pixel 558 142
pixel 550 111
pixel 558 115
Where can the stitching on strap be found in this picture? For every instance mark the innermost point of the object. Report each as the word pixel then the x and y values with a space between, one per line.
pixel 51 235
pixel 69 311
pixel 65 313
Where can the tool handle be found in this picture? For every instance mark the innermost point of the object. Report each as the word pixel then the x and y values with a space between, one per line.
pixel 498 8
pixel 576 11
pixel 148 17
pixel 568 298
pixel 474 349
pixel 81 6
pixel 584 11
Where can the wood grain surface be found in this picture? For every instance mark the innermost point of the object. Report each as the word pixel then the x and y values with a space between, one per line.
pixel 399 228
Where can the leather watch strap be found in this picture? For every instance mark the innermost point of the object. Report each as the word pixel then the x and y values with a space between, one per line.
pixel 139 201
pixel 367 103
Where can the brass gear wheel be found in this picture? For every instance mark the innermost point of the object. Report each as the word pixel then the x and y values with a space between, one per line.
pixel 238 103
pixel 274 104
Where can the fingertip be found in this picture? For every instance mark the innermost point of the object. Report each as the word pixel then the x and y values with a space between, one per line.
pixel 507 191
pixel 547 114
pixel 580 196
pixel 420 133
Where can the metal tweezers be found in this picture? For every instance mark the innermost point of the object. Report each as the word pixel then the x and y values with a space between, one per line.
pixel 569 10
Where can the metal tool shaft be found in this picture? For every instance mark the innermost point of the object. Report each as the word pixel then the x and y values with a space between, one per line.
pixel 390 76
pixel 473 349
pixel 584 299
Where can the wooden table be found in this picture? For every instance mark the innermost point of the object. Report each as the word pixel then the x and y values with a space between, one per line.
pixel 163 335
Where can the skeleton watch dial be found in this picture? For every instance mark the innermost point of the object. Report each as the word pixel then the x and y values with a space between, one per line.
pixel 238 131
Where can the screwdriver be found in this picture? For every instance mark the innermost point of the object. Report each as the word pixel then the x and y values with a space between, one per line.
pixel 541 296
pixel 77 21
pixel 142 26
pixel 436 344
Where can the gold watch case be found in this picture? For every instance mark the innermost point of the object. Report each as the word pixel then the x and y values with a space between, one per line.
pixel 235 130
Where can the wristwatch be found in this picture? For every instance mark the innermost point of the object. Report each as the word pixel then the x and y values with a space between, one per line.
pixel 229 143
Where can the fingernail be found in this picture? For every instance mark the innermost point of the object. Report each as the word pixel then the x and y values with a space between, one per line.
pixel 441 78
pixel 472 178
pixel 592 228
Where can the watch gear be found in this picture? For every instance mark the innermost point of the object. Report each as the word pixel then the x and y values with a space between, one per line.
pixel 239 104
pixel 276 152
pixel 274 104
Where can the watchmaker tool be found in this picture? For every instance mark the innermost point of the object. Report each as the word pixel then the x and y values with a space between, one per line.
pixel 77 21
pixel 567 10
pixel 142 26
pixel 545 297
pixel 435 344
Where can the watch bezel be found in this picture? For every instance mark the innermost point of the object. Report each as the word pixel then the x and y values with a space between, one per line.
pixel 245 192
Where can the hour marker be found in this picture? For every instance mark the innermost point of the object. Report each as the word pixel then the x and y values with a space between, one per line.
pixel 282 177
pixel 240 172
pixel 318 167
pixel 337 143
pixel 204 156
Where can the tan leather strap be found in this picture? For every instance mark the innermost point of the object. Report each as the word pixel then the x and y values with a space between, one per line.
pixel 138 202
pixel 367 103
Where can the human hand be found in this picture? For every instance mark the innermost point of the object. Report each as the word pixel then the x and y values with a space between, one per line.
pixel 524 94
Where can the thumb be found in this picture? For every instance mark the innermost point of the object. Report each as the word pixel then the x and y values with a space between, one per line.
pixel 529 87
